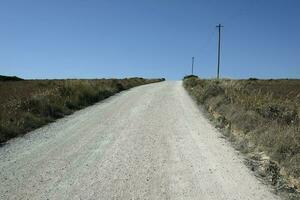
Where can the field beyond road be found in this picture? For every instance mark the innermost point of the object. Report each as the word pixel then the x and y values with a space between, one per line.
pixel 150 142
pixel 262 119
pixel 29 104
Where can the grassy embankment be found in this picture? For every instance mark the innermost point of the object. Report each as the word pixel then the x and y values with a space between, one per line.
pixel 28 104
pixel 262 117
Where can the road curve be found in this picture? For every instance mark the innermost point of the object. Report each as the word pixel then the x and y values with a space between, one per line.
pixel 150 142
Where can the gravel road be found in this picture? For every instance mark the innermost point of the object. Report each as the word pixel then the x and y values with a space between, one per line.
pixel 150 142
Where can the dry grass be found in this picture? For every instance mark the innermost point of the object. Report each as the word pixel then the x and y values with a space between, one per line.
pixel 26 105
pixel 263 115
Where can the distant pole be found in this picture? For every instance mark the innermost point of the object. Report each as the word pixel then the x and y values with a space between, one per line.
pixel 219 50
pixel 193 65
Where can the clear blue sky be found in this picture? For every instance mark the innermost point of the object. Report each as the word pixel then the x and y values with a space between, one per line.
pixel 149 38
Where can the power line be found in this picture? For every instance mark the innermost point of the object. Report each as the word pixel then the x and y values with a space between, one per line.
pixel 207 42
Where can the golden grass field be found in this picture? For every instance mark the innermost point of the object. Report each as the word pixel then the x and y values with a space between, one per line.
pixel 261 116
pixel 29 104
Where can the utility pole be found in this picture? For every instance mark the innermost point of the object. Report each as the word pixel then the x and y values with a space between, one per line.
pixel 193 65
pixel 219 49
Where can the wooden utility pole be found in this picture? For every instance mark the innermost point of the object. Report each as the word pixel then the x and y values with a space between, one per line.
pixel 193 65
pixel 219 50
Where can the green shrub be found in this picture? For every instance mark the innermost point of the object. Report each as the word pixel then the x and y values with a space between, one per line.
pixel 190 76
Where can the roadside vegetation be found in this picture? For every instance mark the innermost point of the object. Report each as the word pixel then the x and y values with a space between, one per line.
pixel 262 118
pixel 10 78
pixel 28 104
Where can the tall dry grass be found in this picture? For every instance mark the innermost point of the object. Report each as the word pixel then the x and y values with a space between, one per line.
pixel 26 105
pixel 263 115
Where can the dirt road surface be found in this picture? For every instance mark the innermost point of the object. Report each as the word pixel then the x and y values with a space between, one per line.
pixel 150 142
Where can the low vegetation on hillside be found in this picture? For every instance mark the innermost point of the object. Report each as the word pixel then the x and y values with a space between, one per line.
pixel 261 116
pixel 26 105
pixel 10 78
